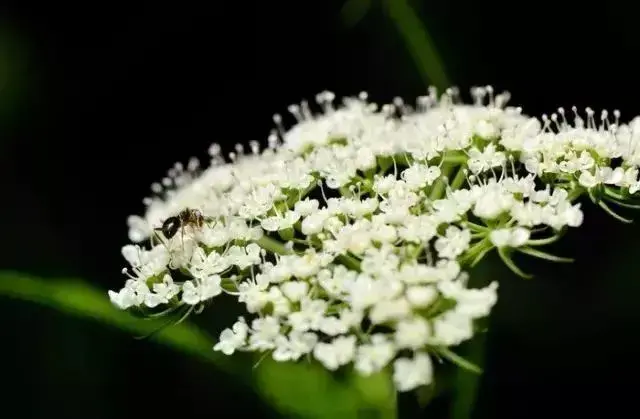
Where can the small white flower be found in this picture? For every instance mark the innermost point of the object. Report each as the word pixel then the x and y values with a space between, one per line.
pixel 412 333
pixel 480 161
pixel 307 207
pixel 387 310
pixel 452 328
pixel 453 243
pixel 333 326
pixel 293 347
pixel 264 332
pixel 512 237
pixel 373 357
pixel 194 292
pixel 421 296
pixel 295 291
pixel 337 353
pixel 166 289
pixel 310 316
pixel 254 293
pixel 233 339
pixel 409 374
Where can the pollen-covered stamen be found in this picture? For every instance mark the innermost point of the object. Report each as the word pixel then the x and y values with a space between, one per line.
pixel 424 103
pixel 273 141
pixel 546 123
pixel 306 110
pixel 453 95
pixel 239 150
pixel 502 99
pixel 277 120
pixel 325 100
pixel 401 107
pixel 554 120
pixel 295 111
pixel 255 147
pixel 578 122
pixel 604 120
pixel 565 123
pixel 591 122
pixel 489 90
pixel 616 115
pixel 478 94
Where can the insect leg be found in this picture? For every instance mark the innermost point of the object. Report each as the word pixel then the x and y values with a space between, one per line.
pixel 159 238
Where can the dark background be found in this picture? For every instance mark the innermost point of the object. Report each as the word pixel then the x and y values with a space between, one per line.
pixel 97 100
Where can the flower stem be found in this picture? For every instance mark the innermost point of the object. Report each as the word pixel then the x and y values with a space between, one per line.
pixel 461 176
pixel 272 245
pixel 575 193
pixel 349 262
pixel 437 191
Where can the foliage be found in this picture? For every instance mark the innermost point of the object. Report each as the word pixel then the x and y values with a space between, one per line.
pixel 302 390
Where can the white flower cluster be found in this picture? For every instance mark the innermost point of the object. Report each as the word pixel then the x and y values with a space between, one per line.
pixel 346 238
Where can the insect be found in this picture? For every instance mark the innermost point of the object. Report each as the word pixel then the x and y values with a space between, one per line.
pixel 186 217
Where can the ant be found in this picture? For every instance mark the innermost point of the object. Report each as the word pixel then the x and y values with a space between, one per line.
pixel 186 217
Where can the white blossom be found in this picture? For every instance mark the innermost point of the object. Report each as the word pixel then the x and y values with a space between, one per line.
pixel 347 238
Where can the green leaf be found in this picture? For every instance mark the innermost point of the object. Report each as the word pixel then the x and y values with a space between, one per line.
pixel 294 389
pixel 465 384
pixel 353 11
pixel 419 43
pixel 80 299
pixel 378 391
pixel 305 389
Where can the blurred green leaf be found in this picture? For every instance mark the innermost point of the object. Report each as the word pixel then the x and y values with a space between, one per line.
pixel 299 383
pixel 352 397
pixel 419 43
pixel 378 391
pixel 466 383
pixel 353 11
pixel 304 390
pixel 80 299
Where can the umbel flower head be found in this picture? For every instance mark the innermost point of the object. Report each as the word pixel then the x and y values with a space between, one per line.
pixel 347 237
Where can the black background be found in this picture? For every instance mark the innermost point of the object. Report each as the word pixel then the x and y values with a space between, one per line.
pixel 98 99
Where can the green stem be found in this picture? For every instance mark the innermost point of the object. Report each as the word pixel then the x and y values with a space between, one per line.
pixel 576 193
pixel 477 250
pixel 349 261
pixel 477 227
pixel 419 43
pixel 456 158
pixel 543 255
pixel 544 242
pixel 461 176
pixel 437 191
pixel 459 361
pixel 502 252
pixel 272 245
pixel 608 191
pixel 613 213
